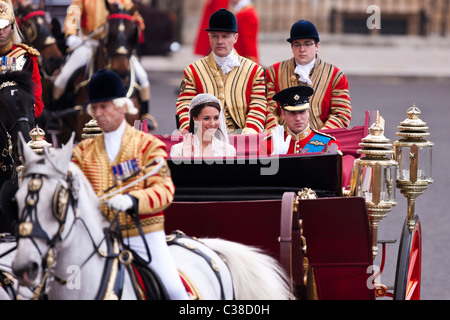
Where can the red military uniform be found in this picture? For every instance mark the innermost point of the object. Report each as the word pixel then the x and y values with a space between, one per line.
pixel 308 141
pixel 330 104
pixel 26 60
pixel 248 27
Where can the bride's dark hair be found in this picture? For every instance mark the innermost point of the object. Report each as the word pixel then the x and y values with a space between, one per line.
pixel 194 113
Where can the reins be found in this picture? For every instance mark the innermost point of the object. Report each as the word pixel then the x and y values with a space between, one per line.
pixel 65 196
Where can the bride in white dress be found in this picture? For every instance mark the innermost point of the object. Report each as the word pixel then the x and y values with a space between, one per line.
pixel 207 135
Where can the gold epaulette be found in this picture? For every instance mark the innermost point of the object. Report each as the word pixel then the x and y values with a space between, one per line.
pixel 323 134
pixel 29 49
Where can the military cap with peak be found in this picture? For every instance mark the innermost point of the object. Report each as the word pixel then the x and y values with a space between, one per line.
pixel 294 98
pixel 222 20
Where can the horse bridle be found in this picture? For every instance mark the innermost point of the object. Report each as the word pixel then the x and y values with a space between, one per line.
pixel 35 27
pixel 8 146
pixel 121 16
pixel 7 150
pixel 46 37
pixel 29 227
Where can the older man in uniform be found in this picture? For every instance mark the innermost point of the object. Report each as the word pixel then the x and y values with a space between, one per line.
pixel 296 136
pixel 236 81
pixel 330 103
pixel 122 149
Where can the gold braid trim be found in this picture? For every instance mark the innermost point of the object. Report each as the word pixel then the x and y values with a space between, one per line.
pixel 148 225
pixel 195 292
pixel 29 49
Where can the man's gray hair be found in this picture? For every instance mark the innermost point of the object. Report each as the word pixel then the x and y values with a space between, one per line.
pixel 119 103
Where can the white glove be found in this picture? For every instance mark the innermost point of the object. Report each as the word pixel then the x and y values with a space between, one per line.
pixel 73 41
pixel 280 146
pixel 120 202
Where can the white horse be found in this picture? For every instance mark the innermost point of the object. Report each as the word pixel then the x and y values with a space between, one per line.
pixel 9 285
pixel 63 248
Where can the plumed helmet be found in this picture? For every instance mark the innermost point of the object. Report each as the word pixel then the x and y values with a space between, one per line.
pixel 222 20
pixel 6 15
pixel 303 29
pixel 105 85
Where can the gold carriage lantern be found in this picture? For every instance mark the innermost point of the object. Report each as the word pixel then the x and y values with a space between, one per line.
pixel 373 179
pixel 414 155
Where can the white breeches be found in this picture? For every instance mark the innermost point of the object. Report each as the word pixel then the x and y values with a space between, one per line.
pixel 82 55
pixel 77 59
pixel 162 262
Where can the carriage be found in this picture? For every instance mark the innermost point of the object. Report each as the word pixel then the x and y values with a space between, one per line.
pixel 309 211
pixel 314 213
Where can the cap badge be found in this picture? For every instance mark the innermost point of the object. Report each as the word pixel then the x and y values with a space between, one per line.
pixel 296 97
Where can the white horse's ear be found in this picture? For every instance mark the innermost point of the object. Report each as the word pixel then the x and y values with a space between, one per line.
pixel 65 155
pixel 27 154
pixel 69 144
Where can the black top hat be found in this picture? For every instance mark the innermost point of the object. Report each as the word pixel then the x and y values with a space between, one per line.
pixel 303 29
pixel 222 20
pixel 105 85
pixel 294 98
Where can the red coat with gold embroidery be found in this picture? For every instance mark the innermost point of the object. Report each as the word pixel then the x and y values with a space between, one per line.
pixel 330 103
pixel 26 60
pixel 154 194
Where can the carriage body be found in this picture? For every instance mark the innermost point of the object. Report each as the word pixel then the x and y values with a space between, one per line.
pixel 324 243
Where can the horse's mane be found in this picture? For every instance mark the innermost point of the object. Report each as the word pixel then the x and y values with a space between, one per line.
pixel 22 78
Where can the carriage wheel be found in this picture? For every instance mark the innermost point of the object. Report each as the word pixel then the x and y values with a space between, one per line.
pixel 409 263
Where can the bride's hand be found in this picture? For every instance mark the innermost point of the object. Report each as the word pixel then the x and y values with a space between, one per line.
pixel 188 145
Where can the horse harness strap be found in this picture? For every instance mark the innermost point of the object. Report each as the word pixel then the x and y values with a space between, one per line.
pixel 133 83
pixel 174 239
pixel 113 274
pixel 7 150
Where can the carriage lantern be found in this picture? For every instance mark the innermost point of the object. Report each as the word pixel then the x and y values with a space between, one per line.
pixel 373 179
pixel 414 155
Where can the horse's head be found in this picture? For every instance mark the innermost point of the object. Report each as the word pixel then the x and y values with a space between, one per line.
pixel 16 114
pixel 121 39
pixel 48 210
pixel 37 30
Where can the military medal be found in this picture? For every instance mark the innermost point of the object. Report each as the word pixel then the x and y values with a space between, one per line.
pixel 4 63
pixel 125 169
